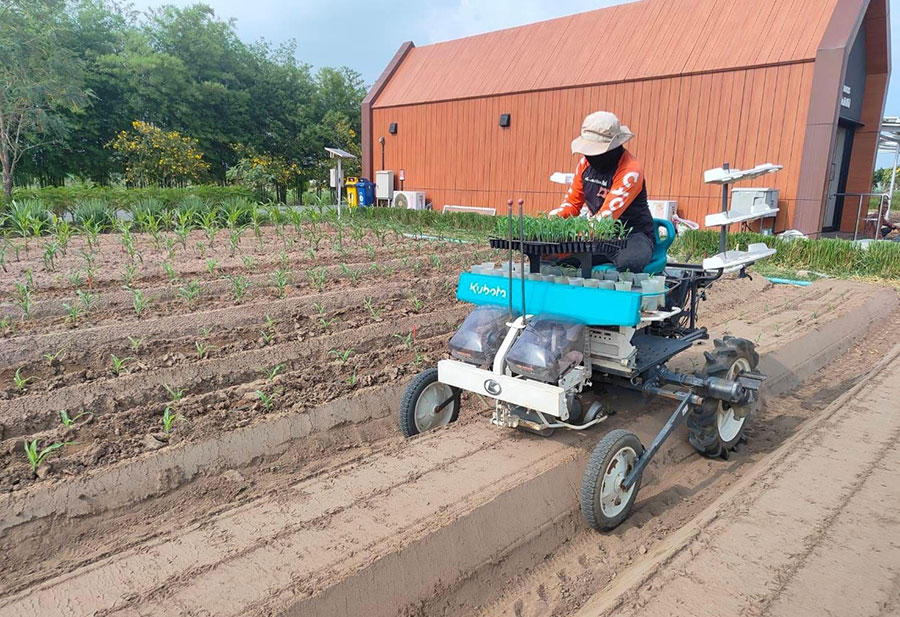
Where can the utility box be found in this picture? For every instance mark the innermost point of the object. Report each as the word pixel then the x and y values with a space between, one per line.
pixel 747 201
pixel 384 185
pixel 662 209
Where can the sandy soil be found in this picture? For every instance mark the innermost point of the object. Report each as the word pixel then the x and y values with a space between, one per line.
pixel 290 532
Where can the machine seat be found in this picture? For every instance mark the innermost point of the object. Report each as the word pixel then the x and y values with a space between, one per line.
pixel 660 251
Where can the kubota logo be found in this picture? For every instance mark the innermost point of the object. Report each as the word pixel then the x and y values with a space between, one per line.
pixel 487 290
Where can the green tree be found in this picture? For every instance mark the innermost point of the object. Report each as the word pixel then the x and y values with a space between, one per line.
pixel 40 78
pixel 155 156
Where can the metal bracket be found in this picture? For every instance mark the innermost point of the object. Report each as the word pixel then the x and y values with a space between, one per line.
pixel 674 421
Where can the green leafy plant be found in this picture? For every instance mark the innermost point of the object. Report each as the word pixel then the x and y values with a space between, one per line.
pixel 266 399
pixel 417 304
pixel 202 350
pixel 68 421
pixel 88 300
pixel 36 456
pixel 174 395
pixel 239 286
pixel 20 381
pixel 405 339
pixel 317 276
pixel 120 365
pixel 72 312
pixel 136 343
pixel 170 272
pixel 22 299
pixel 211 265
pixel 272 372
pixel 341 354
pixel 373 311
pixel 138 301
pixel 168 419
pixel 280 279
pixel 53 358
pixel 189 292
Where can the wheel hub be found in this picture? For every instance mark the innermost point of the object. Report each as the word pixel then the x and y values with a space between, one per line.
pixel 613 494
pixel 431 411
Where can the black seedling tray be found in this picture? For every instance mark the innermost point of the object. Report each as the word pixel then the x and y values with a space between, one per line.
pixel 531 247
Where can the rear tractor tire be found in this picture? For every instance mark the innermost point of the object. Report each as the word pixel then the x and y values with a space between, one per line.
pixel 427 404
pixel 605 502
pixel 716 427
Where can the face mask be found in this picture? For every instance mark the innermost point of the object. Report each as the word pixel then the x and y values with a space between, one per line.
pixel 607 159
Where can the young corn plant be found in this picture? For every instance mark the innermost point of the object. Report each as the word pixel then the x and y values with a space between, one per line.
pixel 174 395
pixel 405 339
pixel 249 262
pixel 202 350
pixel 341 355
pixel 190 292
pixel 272 372
pixel 130 274
pixel 170 272
pixel 36 455
pixel 267 400
pixel 21 382
pixel 317 276
pixel 69 421
pixel 239 286
pixel 168 420
pixel 416 303
pixel 22 299
pixel 373 310
pixel 88 300
pixel 75 279
pixel 281 279
pixel 139 301
pixel 49 257
pixel 72 313
pixel 6 326
pixel 120 365
pixel 211 265
pixel 136 343
pixel 53 358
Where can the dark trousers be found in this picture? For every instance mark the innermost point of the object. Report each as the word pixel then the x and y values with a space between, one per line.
pixel 633 257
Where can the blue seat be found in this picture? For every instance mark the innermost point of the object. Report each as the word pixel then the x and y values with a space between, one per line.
pixel 660 252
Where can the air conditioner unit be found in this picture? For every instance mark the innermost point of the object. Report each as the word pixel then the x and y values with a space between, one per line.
pixel 411 200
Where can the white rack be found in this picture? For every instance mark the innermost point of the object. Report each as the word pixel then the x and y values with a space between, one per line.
pixel 726 260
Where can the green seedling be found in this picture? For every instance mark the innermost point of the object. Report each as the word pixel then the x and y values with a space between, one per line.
pixel 69 421
pixel 406 339
pixel 119 365
pixel 266 399
pixel 72 312
pixel 88 300
pixel 211 265
pixel 370 251
pixel 22 299
pixel 168 419
pixel 280 279
pixel 21 382
pixel 136 343
pixel 418 358
pixel 130 274
pixel 36 457
pixel 271 322
pixel 49 257
pixel 326 323
pixel 317 276
pixel 239 286
pixel 320 308
pixel 204 331
pixel 343 355
pixel 52 358
pixel 170 272
pixel 139 301
pixel 267 336
pixel 202 350
pixel 190 292
pixel 6 324
pixel 272 373
pixel 75 279
pixel 249 262
pixel 174 395
pixel 436 261
pixel 373 311
pixel 351 381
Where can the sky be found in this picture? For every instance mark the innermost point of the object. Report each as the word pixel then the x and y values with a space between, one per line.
pixel 365 35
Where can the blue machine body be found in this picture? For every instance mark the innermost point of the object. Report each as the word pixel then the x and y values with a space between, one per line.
pixel 593 307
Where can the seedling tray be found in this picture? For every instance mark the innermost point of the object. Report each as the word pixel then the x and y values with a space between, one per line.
pixel 532 247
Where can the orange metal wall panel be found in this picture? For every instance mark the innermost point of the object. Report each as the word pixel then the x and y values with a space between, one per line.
pixel 634 41
pixel 457 152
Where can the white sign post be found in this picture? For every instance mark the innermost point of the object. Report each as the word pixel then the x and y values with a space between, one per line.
pixel 340 155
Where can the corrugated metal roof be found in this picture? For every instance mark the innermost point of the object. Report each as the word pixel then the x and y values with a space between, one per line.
pixel 639 40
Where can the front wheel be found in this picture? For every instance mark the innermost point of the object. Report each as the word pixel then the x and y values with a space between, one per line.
pixel 605 502
pixel 427 404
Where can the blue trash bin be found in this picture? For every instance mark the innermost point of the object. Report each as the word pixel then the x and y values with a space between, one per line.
pixel 366 191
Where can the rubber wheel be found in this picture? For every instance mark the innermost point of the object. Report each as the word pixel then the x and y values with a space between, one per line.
pixel 423 394
pixel 576 411
pixel 604 501
pixel 715 427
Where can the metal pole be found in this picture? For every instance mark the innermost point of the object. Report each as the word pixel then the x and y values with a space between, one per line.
pixel 723 234
pixel 340 182
pixel 509 217
pixel 893 178
pixel 521 253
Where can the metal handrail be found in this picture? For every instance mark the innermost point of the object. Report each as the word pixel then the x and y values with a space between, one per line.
pixel 881 214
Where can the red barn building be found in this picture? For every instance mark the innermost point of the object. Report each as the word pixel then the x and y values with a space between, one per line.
pixel 700 82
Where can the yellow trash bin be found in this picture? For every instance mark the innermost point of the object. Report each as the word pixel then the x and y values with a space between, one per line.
pixel 352 191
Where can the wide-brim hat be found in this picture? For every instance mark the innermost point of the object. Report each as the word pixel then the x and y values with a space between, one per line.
pixel 600 132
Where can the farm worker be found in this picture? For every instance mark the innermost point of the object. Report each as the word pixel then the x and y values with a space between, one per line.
pixel 609 182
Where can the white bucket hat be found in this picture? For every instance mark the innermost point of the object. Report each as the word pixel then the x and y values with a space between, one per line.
pixel 600 133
